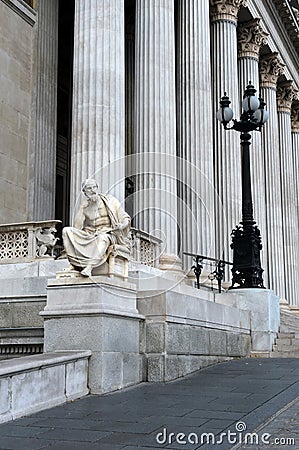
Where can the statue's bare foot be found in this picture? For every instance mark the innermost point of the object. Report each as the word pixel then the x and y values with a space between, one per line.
pixel 87 271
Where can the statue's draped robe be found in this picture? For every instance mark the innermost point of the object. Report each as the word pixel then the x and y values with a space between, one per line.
pixel 83 245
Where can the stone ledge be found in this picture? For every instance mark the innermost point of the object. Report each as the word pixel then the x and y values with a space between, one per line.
pixel 90 312
pixel 26 363
pixel 34 383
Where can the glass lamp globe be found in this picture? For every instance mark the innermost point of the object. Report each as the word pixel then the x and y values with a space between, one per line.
pixel 261 115
pixel 250 103
pixel 225 114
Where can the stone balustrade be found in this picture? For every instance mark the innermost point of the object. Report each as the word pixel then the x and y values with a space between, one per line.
pixel 27 241
pixel 146 248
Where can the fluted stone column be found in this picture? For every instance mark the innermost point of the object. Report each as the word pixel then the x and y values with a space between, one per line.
pixel 295 147
pixel 270 69
pixel 285 95
pixel 251 37
pixel 155 124
pixel 42 156
pixel 129 167
pixel 227 157
pixel 98 126
pixel 195 131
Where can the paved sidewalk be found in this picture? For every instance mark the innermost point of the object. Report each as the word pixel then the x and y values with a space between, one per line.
pixel 222 398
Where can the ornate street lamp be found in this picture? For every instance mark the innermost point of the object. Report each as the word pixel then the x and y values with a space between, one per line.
pixel 246 237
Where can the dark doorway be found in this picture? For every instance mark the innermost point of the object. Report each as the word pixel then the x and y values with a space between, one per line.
pixel 64 109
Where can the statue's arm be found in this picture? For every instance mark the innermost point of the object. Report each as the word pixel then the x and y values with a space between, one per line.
pixel 79 219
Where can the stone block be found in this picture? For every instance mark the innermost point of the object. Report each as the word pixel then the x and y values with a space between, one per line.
pixel 199 341
pixel 171 368
pixel 155 337
pixel 120 334
pixel 19 270
pixel 262 341
pixel 218 345
pixel 132 373
pixel 68 294
pixel 155 368
pixel 233 342
pixel 112 367
pixel 48 268
pixel 26 313
pixel 142 336
pixel 73 333
pixel 5 315
pixel 95 373
pixel 5 397
pixel 35 389
pixel 76 379
pixel 177 339
pixel 184 365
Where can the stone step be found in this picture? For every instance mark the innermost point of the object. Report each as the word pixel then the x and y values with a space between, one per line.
pixel 276 354
pixel 282 335
pixel 283 341
pixel 285 348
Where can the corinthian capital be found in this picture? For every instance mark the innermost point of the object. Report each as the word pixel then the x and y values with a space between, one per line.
pixel 226 9
pixel 295 117
pixel 251 37
pixel 271 68
pixel 286 94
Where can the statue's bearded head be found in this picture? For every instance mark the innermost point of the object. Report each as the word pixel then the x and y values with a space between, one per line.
pixel 90 189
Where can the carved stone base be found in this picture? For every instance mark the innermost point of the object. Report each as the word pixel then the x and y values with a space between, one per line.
pixel 116 265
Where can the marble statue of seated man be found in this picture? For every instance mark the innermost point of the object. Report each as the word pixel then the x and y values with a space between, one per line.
pixel 100 224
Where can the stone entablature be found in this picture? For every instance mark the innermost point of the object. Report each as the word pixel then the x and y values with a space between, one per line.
pixel 226 9
pixel 271 67
pixel 251 37
pixel 295 118
pixel 290 17
pixel 286 94
pixel 23 10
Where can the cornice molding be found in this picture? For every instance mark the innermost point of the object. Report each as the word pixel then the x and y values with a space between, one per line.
pixel 22 9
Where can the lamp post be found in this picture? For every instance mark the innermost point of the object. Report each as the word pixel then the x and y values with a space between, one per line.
pixel 246 237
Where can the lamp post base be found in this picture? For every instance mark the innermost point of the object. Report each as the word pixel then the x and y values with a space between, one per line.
pixel 246 244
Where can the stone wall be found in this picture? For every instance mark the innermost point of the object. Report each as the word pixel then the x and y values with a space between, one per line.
pixel 174 350
pixel 16 39
pixel 185 330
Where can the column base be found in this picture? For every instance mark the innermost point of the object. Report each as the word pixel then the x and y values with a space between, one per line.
pixel 171 263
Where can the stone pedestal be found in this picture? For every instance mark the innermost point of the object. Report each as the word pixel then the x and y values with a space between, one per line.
pixel 101 316
pixel 263 306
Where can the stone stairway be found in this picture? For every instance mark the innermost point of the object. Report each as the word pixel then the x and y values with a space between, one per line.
pixel 286 344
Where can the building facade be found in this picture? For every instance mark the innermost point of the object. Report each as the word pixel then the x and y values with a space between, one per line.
pixel 126 92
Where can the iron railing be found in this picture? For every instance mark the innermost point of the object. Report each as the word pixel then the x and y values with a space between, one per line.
pixel 217 274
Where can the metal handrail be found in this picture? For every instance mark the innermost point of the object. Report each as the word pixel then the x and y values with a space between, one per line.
pixel 218 272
